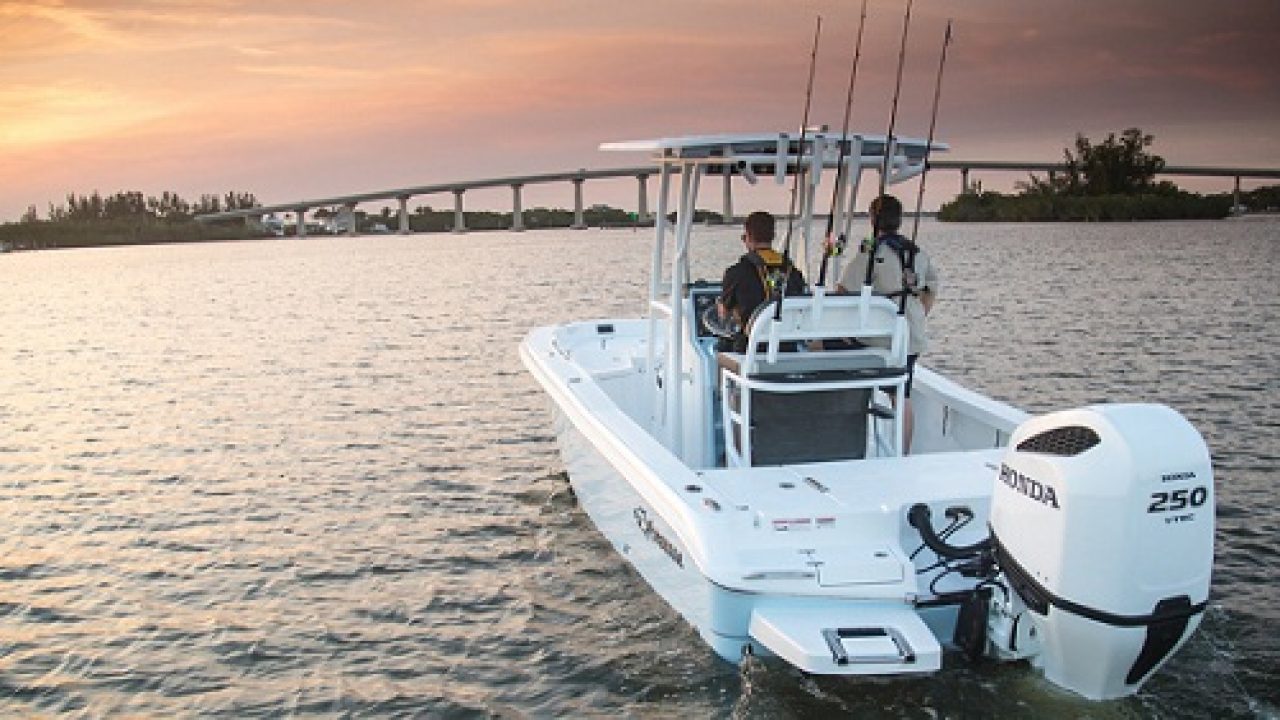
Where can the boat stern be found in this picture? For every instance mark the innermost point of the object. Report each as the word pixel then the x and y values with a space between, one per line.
pixel 846 638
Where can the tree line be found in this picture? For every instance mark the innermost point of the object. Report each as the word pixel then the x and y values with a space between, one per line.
pixel 428 219
pixel 132 204
pixel 425 218
pixel 1111 180
pixel 126 218
pixel 130 217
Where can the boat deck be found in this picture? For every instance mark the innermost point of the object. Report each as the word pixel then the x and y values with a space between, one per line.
pixel 842 526
pixel 855 485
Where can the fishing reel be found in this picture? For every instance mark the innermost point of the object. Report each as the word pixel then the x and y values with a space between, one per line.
pixel 835 248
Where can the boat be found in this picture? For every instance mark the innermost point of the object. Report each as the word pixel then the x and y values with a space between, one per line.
pixel 273 224
pixel 766 497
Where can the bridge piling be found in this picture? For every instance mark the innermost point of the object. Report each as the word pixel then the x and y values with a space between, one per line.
pixel 459 220
pixel 579 222
pixel 517 214
pixel 404 214
pixel 642 204
pixel 727 214
pixel 300 216
pixel 349 214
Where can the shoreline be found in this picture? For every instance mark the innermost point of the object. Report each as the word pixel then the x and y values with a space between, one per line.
pixel 52 243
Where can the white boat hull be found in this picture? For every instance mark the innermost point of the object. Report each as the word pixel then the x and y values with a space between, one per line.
pixel 724 617
pixel 636 492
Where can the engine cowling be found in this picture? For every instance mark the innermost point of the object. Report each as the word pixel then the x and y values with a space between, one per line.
pixel 1102 522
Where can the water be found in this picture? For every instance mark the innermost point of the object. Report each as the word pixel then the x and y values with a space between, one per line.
pixel 311 477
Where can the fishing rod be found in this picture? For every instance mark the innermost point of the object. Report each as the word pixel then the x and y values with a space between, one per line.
pixel 795 188
pixel 933 120
pixel 844 152
pixel 888 145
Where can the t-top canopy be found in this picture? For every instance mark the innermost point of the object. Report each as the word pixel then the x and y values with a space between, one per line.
pixel 764 151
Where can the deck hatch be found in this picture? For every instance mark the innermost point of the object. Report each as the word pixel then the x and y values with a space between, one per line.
pixel 859 566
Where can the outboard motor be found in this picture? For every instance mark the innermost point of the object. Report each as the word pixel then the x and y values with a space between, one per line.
pixel 1102 527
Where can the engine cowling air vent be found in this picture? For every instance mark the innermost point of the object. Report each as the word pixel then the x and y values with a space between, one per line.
pixel 1063 441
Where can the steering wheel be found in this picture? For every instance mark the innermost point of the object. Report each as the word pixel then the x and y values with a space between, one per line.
pixel 727 327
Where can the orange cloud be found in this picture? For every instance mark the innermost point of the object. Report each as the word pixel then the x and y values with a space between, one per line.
pixel 58 19
pixel 36 115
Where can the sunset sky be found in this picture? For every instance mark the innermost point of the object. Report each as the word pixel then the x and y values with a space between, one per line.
pixel 293 100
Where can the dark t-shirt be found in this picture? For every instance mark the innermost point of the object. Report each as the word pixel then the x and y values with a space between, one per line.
pixel 742 290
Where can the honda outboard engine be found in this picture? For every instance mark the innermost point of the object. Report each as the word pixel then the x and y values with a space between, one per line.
pixel 1102 527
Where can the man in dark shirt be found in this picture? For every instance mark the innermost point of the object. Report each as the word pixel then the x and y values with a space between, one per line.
pixel 758 276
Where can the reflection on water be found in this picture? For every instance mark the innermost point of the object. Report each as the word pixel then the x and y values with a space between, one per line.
pixel 263 478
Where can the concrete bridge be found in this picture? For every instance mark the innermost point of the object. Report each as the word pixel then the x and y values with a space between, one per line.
pixel 578 178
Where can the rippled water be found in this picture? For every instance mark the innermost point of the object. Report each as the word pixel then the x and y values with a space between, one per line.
pixel 311 477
